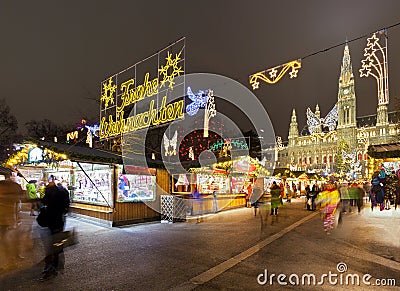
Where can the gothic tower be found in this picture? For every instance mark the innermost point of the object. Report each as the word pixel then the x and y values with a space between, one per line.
pixel 318 129
pixel 347 126
pixel 293 130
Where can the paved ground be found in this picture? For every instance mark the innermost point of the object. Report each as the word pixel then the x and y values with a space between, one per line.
pixel 226 251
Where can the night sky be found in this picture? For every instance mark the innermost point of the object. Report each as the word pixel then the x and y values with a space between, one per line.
pixel 55 54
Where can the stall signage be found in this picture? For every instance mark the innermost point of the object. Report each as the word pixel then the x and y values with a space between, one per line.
pixel 141 95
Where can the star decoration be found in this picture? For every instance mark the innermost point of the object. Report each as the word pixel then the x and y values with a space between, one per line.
pixel 273 72
pixel 255 85
pixel 373 40
pixel 369 51
pixel 108 91
pixel 171 65
pixel 293 73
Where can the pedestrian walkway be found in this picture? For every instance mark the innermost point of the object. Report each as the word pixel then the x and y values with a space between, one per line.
pixel 156 256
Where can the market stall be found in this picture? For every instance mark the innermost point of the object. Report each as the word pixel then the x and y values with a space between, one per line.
pixel 101 188
pixel 223 185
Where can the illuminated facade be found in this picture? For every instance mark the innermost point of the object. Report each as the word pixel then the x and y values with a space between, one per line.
pixel 341 136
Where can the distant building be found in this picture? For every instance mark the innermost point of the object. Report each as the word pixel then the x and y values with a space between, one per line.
pixel 340 137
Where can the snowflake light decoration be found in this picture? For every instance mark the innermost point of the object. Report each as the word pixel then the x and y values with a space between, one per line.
pixel 108 91
pixel 172 66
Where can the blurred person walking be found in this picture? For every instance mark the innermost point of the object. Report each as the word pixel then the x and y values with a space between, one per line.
pixel 329 201
pixel 275 198
pixel 10 195
pixel 56 203
pixel 255 198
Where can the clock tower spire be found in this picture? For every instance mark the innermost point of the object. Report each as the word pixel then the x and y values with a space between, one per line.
pixel 347 126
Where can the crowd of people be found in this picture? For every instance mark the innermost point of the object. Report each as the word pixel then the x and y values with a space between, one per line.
pixel 335 198
pixel 48 201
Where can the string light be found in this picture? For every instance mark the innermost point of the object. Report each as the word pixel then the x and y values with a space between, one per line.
pixel 209 112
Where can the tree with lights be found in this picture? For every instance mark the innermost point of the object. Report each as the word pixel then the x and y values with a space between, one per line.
pixel 8 128
pixel 340 164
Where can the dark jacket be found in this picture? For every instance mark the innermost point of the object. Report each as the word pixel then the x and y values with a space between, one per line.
pixel 56 200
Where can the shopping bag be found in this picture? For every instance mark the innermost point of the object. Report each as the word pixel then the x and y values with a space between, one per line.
pixel 64 239
pixel 43 217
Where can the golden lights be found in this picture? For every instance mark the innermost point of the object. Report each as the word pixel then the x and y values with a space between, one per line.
pixel 22 156
pixel 116 124
pixel 376 65
pixel 273 75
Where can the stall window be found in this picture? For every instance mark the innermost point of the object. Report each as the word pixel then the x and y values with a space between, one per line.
pixel 136 188
pixel 181 183
pixel 92 184
pixel 207 184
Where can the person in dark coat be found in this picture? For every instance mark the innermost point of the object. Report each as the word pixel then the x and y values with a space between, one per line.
pixel 56 200
pixel 275 198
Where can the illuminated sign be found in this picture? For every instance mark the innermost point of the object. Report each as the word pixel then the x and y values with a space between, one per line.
pixel 72 136
pixel 139 96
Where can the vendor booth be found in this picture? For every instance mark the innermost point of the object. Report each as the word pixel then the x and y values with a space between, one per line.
pixel 101 188
pixel 220 186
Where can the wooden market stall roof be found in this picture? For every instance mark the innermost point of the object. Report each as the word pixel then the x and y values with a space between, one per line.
pixel 85 154
pixel 5 171
pixel 384 151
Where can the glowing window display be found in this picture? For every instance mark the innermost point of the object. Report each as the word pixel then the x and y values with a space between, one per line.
pixel 93 185
pixel 207 184
pixel 181 183
pixel 136 188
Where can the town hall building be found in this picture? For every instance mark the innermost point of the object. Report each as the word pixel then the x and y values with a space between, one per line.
pixel 341 137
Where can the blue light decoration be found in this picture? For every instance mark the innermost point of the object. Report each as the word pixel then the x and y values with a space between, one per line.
pixel 329 121
pixel 199 100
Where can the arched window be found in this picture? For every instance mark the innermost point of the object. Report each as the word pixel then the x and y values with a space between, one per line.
pixel 330 159
pixel 324 159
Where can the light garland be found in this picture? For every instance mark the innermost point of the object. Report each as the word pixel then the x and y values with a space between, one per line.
pixel 275 74
pixel 380 67
pixel 21 157
pixel 209 112
pixel 279 144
